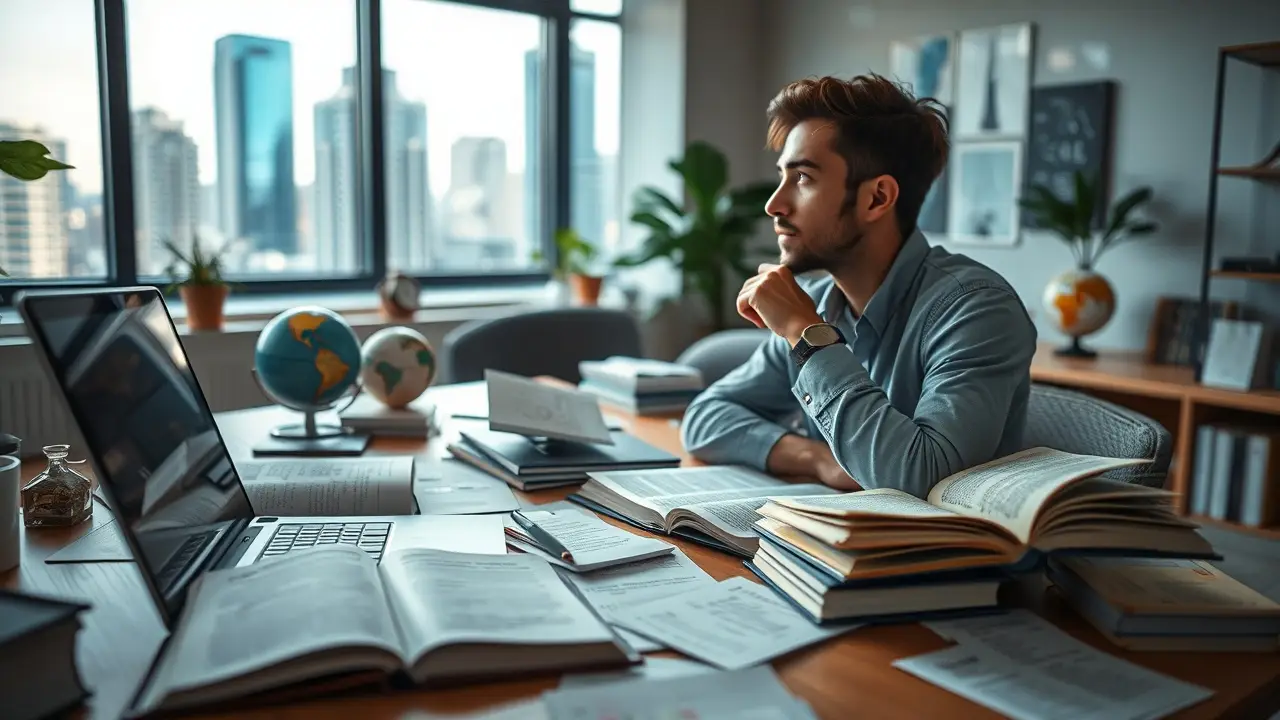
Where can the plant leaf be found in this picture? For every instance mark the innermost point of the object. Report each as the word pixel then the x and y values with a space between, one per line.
pixel 1127 204
pixel 22 149
pixel 648 198
pixel 1084 204
pixel 705 171
pixel 25 159
pixel 648 219
pixel 3 273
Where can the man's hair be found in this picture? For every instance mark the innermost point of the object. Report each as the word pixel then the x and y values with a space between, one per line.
pixel 880 130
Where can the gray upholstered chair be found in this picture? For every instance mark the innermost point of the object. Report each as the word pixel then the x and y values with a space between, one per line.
pixel 718 353
pixel 1076 422
pixel 541 342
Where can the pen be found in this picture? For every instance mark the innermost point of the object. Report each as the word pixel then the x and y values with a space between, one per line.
pixel 541 537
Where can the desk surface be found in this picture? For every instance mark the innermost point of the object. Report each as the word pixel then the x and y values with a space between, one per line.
pixel 848 677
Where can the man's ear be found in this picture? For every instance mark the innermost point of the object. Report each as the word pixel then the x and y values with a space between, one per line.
pixel 881 195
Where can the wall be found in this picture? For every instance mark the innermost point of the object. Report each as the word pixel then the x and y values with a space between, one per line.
pixel 1163 124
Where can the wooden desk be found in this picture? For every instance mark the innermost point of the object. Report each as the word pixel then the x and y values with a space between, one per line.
pixel 849 677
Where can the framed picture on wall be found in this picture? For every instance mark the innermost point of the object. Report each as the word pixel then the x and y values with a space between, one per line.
pixel 986 178
pixel 926 66
pixel 1172 339
pixel 993 82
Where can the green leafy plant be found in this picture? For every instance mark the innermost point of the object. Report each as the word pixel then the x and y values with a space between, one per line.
pixel 1072 219
pixel 198 268
pixel 26 160
pixel 705 238
pixel 574 255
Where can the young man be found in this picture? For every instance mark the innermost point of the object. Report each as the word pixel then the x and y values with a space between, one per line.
pixel 907 362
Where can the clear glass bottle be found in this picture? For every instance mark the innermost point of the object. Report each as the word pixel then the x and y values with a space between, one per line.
pixel 59 496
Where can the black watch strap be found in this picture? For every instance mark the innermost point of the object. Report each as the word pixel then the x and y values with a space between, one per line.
pixel 813 339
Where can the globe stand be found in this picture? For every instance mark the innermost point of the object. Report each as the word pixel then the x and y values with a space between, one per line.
pixel 309 429
pixel 311 437
pixel 1075 350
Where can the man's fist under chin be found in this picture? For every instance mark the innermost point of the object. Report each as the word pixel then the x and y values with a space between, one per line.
pixel 773 299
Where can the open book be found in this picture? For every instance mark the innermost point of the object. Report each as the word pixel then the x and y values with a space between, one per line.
pixel 713 505
pixel 431 617
pixel 1012 510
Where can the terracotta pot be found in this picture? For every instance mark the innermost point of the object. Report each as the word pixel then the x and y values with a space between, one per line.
pixel 586 289
pixel 204 305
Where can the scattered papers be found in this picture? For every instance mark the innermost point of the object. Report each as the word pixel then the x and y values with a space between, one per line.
pixel 752 694
pixel 594 543
pixel 525 406
pixel 732 625
pixel 1022 666
pixel 451 487
pixel 652 669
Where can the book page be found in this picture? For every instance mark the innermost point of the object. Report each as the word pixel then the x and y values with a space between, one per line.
pixel 880 502
pixel 733 624
pixel 371 485
pixel 645 487
pixel 736 512
pixel 444 597
pixel 241 620
pixel 1022 666
pixel 1011 491
pixel 593 542
pixel 525 406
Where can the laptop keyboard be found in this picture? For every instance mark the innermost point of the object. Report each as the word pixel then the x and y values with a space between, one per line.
pixel 370 537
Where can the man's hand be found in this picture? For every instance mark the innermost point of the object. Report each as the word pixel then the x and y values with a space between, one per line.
pixel 831 474
pixel 774 300
pixel 795 456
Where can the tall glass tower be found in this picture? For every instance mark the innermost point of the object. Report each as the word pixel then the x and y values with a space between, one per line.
pixel 253 105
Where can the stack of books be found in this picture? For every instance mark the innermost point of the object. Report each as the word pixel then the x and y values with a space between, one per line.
pixel 1168 605
pixel 369 415
pixel 886 555
pixel 641 386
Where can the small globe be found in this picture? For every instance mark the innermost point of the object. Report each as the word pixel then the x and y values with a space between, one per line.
pixel 307 358
pixel 397 365
pixel 1079 302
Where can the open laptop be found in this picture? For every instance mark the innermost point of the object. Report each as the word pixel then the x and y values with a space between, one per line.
pixel 116 360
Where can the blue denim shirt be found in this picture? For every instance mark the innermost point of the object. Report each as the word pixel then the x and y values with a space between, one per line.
pixel 933 378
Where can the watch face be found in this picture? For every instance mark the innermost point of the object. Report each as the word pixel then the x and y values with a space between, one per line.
pixel 819 335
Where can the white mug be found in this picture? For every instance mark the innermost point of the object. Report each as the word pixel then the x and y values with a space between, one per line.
pixel 10 492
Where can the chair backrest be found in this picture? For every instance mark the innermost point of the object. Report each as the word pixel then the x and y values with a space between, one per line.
pixel 1075 422
pixel 720 352
pixel 541 342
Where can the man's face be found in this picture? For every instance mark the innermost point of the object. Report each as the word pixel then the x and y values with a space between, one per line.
pixel 814 231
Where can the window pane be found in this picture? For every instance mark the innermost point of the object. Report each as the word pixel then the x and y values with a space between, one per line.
pixel 52 227
pixel 594 83
pixel 463 89
pixel 599 7
pixel 243 131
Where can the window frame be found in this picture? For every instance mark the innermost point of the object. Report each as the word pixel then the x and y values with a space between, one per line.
pixel 115 116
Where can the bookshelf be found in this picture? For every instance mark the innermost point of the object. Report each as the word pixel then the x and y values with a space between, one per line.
pixel 1169 394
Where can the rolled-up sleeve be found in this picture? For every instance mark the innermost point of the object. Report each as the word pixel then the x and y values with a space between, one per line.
pixel 976 352
pixel 737 419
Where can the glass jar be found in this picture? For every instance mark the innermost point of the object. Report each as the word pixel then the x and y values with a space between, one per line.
pixel 59 496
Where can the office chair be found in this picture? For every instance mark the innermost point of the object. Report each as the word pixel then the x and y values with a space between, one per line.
pixel 1076 422
pixel 540 342
pixel 720 352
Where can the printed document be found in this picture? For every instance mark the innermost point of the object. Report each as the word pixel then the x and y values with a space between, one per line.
pixel 1022 666
pixel 452 487
pixel 732 625
pixel 525 406
pixel 374 485
pixel 594 543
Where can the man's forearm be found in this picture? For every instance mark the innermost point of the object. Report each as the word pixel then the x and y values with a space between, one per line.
pixel 717 430
pixel 796 456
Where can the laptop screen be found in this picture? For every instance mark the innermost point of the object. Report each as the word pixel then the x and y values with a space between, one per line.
pixel 159 456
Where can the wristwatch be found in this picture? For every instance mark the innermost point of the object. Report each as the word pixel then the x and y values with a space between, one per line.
pixel 814 338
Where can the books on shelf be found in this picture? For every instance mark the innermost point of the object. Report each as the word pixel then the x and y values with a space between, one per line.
pixel 981 525
pixel 711 505
pixel 38 673
pixel 1230 474
pixel 421 617
pixel 640 385
pixel 1168 604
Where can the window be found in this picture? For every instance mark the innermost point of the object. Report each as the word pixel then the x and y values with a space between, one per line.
pixel 253 128
pixel 243 133
pixel 595 71
pixel 52 228
pixel 462 90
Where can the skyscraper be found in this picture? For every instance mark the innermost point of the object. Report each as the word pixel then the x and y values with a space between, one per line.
pixel 253 105
pixel 166 187
pixel 586 195
pixel 33 232
pixel 477 188
pixel 411 242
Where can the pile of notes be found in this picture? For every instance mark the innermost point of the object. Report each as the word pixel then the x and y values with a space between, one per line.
pixel 1168 605
pixel 640 385
pixel 884 554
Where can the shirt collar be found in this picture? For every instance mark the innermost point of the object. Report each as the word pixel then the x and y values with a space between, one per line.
pixel 888 297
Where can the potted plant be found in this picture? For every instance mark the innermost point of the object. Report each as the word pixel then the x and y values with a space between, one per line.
pixel 576 264
pixel 26 160
pixel 706 235
pixel 200 284
pixel 1081 301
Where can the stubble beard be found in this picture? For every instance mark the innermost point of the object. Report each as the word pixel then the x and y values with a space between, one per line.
pixel 831 252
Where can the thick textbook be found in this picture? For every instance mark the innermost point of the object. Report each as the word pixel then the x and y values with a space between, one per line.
pixel 426 617
pixel 1012 511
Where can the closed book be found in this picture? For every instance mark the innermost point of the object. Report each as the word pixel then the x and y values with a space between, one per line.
pixel 523 455
pixel 38 674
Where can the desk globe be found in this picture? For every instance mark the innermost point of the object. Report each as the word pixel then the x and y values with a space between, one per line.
pixel 397 365
pixel 307 359
pixel 1079 303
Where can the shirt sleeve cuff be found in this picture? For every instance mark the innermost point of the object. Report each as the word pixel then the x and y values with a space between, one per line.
pixel 758 442
pixel 827 374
